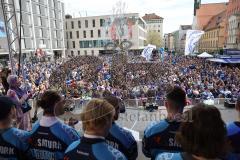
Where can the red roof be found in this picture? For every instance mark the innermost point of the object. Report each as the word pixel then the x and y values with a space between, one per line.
pixel 215 21
pixel 151 16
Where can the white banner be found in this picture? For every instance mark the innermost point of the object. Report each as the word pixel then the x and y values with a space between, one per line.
pixel 147 52
pixel 192 38
pixel 2 30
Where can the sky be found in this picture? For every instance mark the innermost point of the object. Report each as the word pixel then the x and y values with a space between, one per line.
pixel 174 12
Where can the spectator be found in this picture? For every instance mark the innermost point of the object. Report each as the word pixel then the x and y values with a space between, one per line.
pixel 20 97
pixel 233 130
pixel 202 135
pixel 160 137
pixel 97 120
pixel 13 142
pixel 50 138
pixel 118 137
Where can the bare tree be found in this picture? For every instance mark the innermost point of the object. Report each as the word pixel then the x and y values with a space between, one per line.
pixel 120 20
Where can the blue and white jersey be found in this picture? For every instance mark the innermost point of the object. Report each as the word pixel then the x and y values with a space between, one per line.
pixel 160 137
pixel 123 141
pixel 233 133
pixel 51 142
pixel 92 149
pixel 13 144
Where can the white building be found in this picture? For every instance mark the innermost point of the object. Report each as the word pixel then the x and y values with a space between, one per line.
pixel 154 23
pixel 180 46
pixel 89 35
pixel 42 27
pixel 233 40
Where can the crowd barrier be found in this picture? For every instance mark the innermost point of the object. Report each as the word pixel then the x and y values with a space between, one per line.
pixel 78 103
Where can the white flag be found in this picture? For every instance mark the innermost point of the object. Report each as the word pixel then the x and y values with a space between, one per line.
pixel 147 52
pixel 192 37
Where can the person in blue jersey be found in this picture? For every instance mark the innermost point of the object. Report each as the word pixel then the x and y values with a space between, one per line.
pixel 13 142
pixel 118 137
pixel 160 136
pixel 50 137
pixel 97 119
pixel 233 132
pixel 202 135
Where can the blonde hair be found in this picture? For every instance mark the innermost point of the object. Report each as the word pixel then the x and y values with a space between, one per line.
pixel 97 113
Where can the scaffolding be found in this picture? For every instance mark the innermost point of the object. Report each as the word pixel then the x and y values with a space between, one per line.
pixel 12 31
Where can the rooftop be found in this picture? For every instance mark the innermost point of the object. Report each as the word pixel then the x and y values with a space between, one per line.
pixel 185 27
pixel 215 21
pixel 151 16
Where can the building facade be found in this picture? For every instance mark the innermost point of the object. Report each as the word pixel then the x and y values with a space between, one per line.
pixel 154 23
pixel 42 27
pixel 213 39
pixel 205 12
pixel 233 41
pixel 232 8
pixel 90 35
pixel 180 38
pixel 169 41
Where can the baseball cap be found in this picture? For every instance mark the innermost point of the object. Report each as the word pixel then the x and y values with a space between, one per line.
pixel 6 105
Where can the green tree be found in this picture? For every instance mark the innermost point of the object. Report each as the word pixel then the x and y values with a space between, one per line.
pixel 154 38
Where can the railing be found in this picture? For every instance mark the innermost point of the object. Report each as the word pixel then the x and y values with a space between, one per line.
pixel 78 103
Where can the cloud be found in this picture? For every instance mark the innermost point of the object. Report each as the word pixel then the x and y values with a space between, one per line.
pixel 174 12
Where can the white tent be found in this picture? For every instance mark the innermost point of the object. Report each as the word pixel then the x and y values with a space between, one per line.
pixel 205 55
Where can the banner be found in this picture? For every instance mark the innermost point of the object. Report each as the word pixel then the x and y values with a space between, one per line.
pixel 192 38
pixel 147 52
pixel 2 30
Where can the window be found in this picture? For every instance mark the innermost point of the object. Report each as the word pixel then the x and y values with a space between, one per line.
pixel 67 35
pixel 84 34
pixel 85 52
pixel 55 34
pixel 39 21
pixel 93 22
pixel 79 24
pixel 72 53
pixel 86 23
pixel 23 45
pixel 99 33
pixel 79 53
pixel 91 33
pixel 38 9
pixel 41 33
pixel 66 25
pixel 70 35
pixel 73 44
pixel 92 52
pixel 67 45
pixel 72 23
pixel 77 34
pixel 101 22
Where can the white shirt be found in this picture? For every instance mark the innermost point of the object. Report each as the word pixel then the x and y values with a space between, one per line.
pixel 48 121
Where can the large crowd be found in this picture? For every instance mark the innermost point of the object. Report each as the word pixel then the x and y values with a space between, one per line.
pixel 199 133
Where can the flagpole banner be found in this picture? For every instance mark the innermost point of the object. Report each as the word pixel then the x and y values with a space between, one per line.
pixel 147 52
pixel 192 38
pixel 2 30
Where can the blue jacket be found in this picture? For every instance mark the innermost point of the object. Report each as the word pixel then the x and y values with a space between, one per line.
pixel 160 137
pixel 233 133
pixel 51 142
pixel 123 141
pixel 13 144
pixel 92 149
